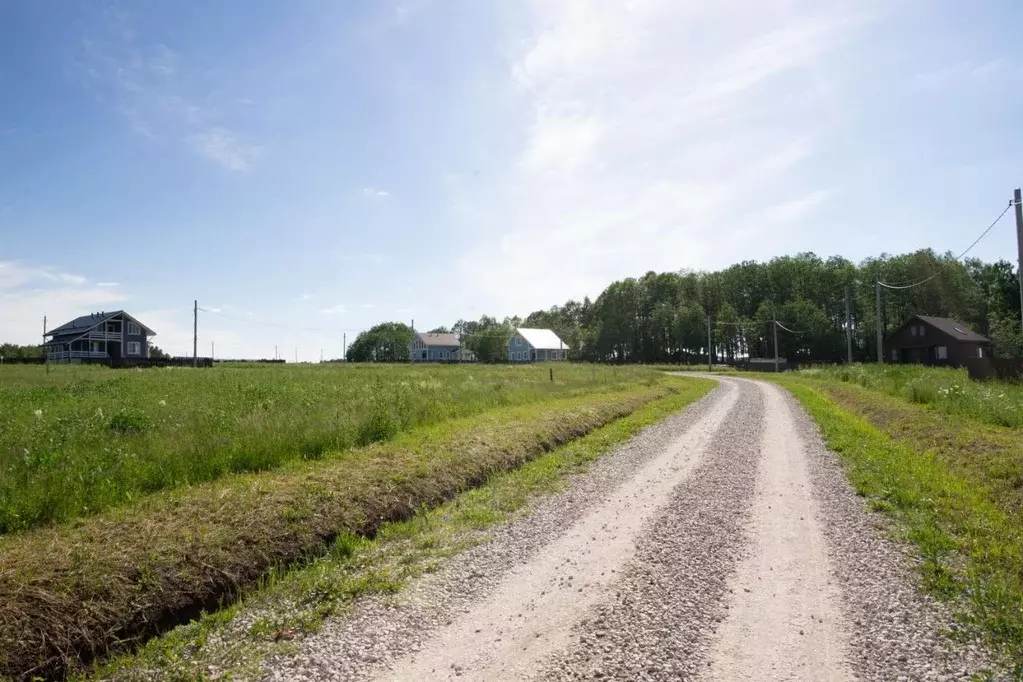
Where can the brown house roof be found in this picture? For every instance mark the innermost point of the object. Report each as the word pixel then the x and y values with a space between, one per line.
pixel 956 330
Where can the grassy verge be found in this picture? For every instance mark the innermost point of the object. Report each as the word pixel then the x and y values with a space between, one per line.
pixel 951 485
pixel 76 592
pixel 944 389
pixel 233 641
pixel 83 439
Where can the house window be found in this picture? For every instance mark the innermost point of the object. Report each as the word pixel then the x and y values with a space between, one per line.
pixel 895 355
pixel 134 329
pixel 424 354
pixel 134 348
pixel 943 352
pixel 912 329
pixel 980 351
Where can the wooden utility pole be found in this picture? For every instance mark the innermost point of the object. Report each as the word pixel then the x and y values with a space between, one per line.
pixel 46 356
pixel 848 325
pixel 880 335
pixel 1018 200
pixel 710 355
pixel 344 347
pixel 195 334
pixel 776 356
pixel 212 353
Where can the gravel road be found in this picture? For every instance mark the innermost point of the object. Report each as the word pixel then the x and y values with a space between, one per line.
pixel 721 544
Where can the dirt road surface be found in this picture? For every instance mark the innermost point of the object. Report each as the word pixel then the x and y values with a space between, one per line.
pixel 722 544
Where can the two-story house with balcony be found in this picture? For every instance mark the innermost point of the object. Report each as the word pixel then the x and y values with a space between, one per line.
pixel 99 337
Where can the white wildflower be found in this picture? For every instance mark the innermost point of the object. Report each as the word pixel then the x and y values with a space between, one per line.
pixel 99 412
pixel 162 403
pixel 38 414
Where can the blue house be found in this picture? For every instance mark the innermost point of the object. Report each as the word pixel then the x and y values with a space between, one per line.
pixel 430 347
pixel 536 345
pixel 99 337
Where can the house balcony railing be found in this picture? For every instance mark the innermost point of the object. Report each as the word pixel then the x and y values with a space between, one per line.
pixel 75 355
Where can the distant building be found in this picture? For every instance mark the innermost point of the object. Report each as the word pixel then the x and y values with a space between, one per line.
pixel 536 345
pixel 935 340
pixel 431 347
pixel 110 337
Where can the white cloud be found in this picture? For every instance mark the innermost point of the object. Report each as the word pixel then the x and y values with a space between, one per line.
pixel 108 284
pixel 368 306
pixel 29 292
pixel 645 142
pixel 374 193
pixel 223 147
pixel 334 310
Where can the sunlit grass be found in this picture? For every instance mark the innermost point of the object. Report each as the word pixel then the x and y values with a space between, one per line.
pixel 80 439
pixel 947 390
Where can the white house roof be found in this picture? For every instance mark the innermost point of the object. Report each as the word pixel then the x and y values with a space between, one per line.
pixel 542 339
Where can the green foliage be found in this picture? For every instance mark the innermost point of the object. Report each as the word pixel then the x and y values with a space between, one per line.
pixel 488 339
pixel 13 350
pixel 944 389
pixel 83 438
pixel 157 353
pixel 386 342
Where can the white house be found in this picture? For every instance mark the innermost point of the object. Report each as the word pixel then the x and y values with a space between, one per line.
pixel 536 345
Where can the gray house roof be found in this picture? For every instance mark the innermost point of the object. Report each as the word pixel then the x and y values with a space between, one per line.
pixel 81 325
pixel 438 340
pixel 954 329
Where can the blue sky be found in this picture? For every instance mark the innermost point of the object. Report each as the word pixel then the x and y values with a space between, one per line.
pixel 328 165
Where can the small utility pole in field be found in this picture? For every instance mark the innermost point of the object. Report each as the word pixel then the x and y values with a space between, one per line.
pixel 848 325
pixel 46 357
pixel 880 335
pixel 1018 200
pixel 344 347
pixel 212 353
pixel 195 334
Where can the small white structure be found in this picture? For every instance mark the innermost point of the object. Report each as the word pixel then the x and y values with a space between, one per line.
pixel 536 345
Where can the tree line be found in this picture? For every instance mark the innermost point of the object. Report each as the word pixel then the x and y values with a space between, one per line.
pixel 663 317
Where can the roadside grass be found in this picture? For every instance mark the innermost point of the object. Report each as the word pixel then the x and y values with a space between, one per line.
pixel 947 390
pixel 82 439
pixel 75 592
pixel 232 642
pixel 952 486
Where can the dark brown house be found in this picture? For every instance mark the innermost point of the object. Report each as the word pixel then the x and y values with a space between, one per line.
pixel 935 340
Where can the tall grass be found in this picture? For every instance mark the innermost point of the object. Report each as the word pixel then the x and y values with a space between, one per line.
pixel 81 439
pixel 946 390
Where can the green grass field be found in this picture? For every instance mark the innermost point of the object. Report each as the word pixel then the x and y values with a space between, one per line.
pixel 81 439
pixel 947 390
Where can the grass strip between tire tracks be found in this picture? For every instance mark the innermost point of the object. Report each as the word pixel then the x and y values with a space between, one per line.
pixel 231 642
pixel 948 488
pixel 78 592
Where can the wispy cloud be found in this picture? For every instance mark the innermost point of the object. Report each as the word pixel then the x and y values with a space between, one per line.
pixel 108 284
pixel 156 91
pixel 641 138
pixel 30 291
pixel 374 193
pixel 961 73
pixel 334 310
pixel 222 146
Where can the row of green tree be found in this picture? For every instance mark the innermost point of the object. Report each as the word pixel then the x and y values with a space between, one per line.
pixel 664 317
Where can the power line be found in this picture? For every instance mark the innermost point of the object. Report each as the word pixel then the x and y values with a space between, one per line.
pixel 279 326
pixel 959 257
pixel 791 331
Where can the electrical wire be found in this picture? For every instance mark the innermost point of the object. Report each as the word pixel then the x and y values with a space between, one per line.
pixel 959 257
pixel 278 326
pixel 791 331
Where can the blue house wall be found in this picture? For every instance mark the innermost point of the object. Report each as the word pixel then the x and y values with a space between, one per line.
pixel 519 349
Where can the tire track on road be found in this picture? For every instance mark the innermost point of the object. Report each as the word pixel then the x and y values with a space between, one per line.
pixel 530 615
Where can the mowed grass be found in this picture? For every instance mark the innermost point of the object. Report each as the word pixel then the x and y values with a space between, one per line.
pixel 952 483
pixel 76 592
pixel 82 439
pixel 944 389
pixel 234 641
